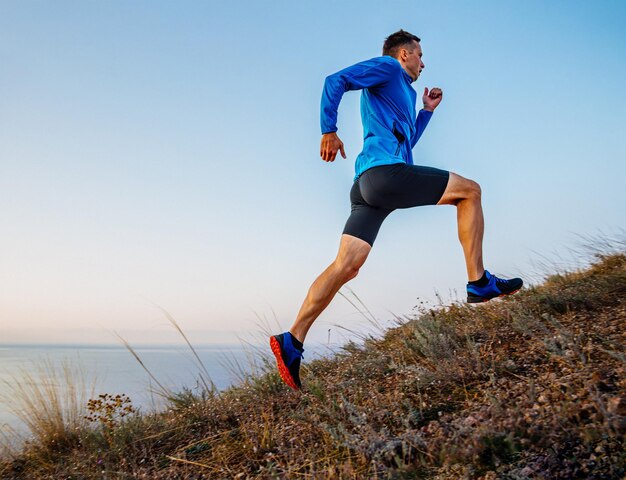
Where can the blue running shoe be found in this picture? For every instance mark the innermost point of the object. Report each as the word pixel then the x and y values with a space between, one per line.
pixel 287 358
pixel 496 287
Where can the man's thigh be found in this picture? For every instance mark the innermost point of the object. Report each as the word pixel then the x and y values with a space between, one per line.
pixel 403 186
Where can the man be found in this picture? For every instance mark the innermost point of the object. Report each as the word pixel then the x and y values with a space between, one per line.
pixel 386 179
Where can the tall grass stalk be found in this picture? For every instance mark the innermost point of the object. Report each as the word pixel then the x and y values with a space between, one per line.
pixel 208 384
pixel 259 359
pixel 163 391
pixel 254 366
pixel 364 311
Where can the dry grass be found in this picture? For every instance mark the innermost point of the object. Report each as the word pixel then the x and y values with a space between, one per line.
pixel 531 386
pixel 51 401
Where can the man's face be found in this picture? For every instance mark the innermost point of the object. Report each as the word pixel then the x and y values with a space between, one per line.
pixel 411 61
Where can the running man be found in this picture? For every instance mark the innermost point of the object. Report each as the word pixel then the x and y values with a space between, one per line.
pixel 386 179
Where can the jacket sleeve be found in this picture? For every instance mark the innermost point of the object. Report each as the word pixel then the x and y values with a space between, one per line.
pixel 367 74
pixel 423 117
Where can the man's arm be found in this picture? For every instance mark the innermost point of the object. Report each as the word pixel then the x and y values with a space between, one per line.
pixel 362 75
pixel 423 117
pixel 367 74
pixel 431 101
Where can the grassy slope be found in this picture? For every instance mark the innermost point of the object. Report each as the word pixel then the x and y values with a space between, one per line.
pixel 532 386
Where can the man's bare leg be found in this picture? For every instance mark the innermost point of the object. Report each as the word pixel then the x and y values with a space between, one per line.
pixel 351 256
pixel 466 195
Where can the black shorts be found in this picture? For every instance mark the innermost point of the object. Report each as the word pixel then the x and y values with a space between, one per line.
pixel 381 190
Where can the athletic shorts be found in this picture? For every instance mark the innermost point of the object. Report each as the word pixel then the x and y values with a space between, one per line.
pixel 381 190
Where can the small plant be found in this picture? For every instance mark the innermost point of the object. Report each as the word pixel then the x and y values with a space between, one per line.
pixel 109 410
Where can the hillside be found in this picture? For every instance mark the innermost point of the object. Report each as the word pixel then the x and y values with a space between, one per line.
pixel 532 386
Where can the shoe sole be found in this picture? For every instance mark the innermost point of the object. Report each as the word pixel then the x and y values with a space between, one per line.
pixel 476 299
pixel 282 368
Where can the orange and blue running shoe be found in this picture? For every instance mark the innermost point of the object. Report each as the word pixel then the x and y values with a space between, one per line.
pixel 288 352
pixel 491 287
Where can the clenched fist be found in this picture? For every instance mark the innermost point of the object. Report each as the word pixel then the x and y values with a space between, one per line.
pixel 432 99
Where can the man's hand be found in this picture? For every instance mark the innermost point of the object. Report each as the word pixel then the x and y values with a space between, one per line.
pixel 432 99
pixel 329 147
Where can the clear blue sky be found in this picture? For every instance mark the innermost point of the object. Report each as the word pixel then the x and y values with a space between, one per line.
pixel 167 153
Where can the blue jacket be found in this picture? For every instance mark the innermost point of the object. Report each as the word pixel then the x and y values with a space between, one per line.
pixel 390 126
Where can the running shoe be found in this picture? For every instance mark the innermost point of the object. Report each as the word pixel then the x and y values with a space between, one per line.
pixel 287 359
pixel 496 287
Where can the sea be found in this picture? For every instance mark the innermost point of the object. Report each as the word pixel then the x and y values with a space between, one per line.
pixel 113 370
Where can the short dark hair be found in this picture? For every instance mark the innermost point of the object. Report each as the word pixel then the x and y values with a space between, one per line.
pixel 395 41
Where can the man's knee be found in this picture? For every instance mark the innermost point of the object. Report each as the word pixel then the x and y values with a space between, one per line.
pixel 350 273
pixel 352 254
pixel 468 189
pixel 460 188
pixel 473 190
pixel 350 267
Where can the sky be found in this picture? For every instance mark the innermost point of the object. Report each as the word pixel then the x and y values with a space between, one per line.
pixel 166 155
